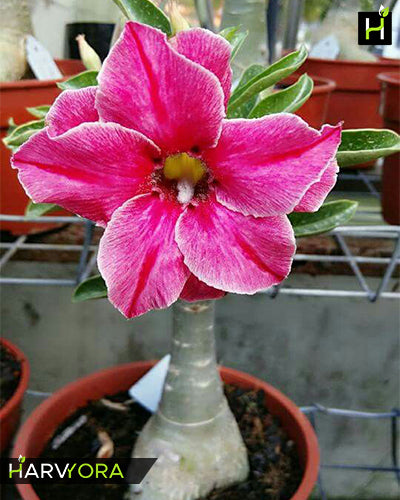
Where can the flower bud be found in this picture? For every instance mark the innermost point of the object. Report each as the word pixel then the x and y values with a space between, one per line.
pixel 89 56
pixel 178 22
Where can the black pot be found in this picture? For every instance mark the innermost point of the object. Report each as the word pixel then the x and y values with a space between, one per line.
pixel 98 35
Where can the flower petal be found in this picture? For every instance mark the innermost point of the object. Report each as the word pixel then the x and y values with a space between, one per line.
pixel 212 51
pixel 145 84
pixel 195 290
pixel 316 194
pixel 233 252
pixel 90 170
pixel 70 109
pixel 265 166
pixel 139 258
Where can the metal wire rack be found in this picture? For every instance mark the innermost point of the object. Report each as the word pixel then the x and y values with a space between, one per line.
pixel 88 254
pixel 315 411
pixel 87 259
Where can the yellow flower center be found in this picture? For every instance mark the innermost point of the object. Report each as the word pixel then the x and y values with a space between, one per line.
pixel 184 167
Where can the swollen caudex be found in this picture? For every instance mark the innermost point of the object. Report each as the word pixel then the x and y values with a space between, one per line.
pixel 193 434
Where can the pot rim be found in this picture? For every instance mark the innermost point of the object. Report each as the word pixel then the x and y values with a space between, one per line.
pixel 322 85
pixel 33 83
pixel 392 77
pixel 16 398
pixel 385 62
pixel 311 465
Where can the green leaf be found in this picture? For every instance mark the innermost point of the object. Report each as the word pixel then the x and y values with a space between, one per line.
pixel 248 74
pixel 21 134
pixel 11 126
pixel 144 11
pixel 39 209
pixel 92 288
pixel 235 37
pixel 85 79
pixel 363 145
pixel 39 111
pixel 271 75
pixel 286 101
pixel 329 216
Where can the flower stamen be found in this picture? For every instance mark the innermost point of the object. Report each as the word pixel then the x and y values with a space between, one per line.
pixel 185 191
pixel 187 171
pixel 183 166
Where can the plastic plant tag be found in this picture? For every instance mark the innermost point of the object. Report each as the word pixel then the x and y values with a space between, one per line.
pixel 148 390
pixel 327 48
pixel 41 61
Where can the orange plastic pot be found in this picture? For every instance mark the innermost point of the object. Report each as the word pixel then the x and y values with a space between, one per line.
pixel 356 98
pixel 15 97
pixel 315 110
pixel 357 95
pixel 10 414
pixel 41 425
pixel 390 107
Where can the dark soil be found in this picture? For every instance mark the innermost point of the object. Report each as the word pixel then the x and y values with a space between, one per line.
pixel 275 470
pixel 10 373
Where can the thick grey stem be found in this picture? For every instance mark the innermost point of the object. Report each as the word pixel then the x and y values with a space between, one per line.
pixel 193 434
pixel 15 25
pixel 193 390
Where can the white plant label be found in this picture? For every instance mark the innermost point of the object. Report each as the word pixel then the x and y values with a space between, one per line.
pixel 148 390
pixel 327 48
pixel 40 60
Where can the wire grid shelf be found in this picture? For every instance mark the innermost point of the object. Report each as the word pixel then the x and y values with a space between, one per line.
pixel 368 181
pixel 392 417
pixel 88 255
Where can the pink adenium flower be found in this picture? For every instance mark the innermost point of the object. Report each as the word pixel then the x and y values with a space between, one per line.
pixel 194 205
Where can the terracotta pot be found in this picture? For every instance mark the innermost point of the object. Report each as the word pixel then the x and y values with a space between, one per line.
pixel 390 107
pixel 357 94
pixel 356 97
pixel 11 412
pixel 315 110
pixel 41 425
pixel 15 97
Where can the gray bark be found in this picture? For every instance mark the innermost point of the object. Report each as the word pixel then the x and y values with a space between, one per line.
pixel 15 25
pixel 193 434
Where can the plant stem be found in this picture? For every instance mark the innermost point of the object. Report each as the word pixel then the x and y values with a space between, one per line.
pixel 193 390
pixel 193 434
pixel 15 25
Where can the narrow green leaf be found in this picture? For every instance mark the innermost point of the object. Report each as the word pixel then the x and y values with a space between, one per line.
pixel 39 209
pixel 235 37
pixel 359 146
pixel 271 75
pixel 229 33
pixel 11 125
pixel 329 216
pixel 85 79
pixel 144 11
pixel 39 111
pixel 21 134
pixel 248 74
pixel 92 288
pixel 286 101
